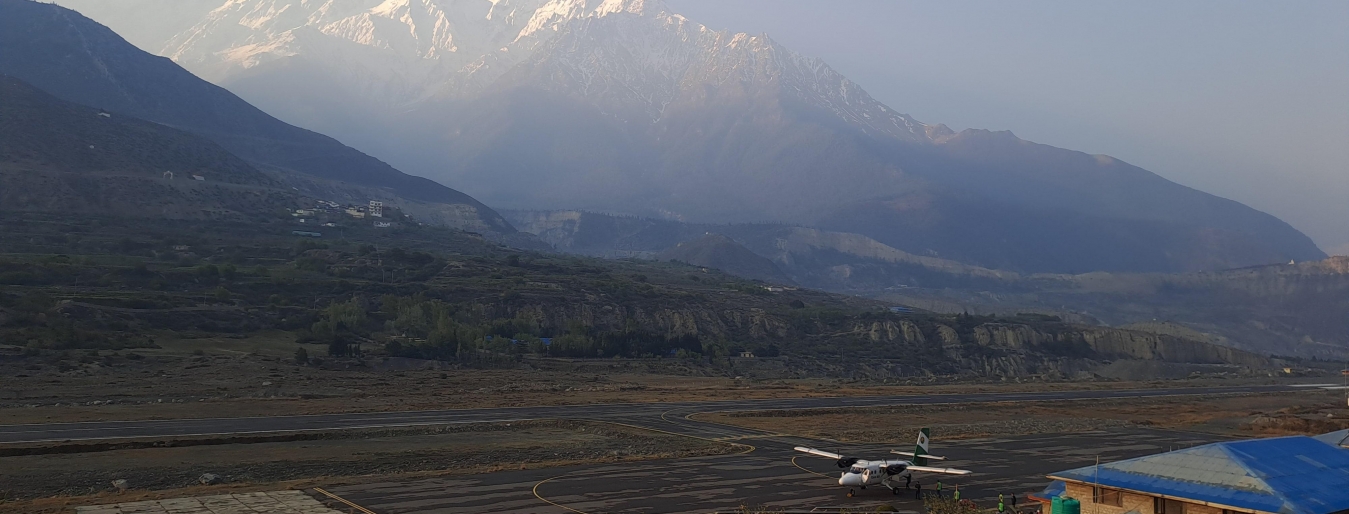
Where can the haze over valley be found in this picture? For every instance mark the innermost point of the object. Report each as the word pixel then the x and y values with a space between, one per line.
pixel 629 108
pixel 467 256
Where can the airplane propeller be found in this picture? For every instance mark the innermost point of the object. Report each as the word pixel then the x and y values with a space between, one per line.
pixel 847 462
pixel 895 469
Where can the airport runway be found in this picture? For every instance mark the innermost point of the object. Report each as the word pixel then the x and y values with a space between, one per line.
pixel 665 416
pixel 772 475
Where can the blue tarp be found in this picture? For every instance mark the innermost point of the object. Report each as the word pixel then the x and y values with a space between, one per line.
pixel 1288 475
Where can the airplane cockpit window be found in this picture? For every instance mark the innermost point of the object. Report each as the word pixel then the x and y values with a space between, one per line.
pixel 857 469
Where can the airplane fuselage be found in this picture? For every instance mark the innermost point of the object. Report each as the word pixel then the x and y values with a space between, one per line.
pixel 862 476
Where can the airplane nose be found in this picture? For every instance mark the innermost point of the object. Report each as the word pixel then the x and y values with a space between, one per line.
pixel 852 479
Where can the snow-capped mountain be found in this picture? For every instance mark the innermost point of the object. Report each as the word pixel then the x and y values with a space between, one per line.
pixel 396 53
pixel 624 106
pixel 399 51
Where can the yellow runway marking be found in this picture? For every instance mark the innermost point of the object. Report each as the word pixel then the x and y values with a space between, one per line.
pixel 551 502
pixel 748 448
pixel 344 500
pixel 798 466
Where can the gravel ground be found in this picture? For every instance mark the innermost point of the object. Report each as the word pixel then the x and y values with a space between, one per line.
pixel 449 449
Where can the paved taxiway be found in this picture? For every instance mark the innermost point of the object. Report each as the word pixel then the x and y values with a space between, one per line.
pixel 768 476
pixel 666 416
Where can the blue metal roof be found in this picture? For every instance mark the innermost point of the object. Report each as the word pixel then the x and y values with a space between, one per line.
pixel 1340 438
pixel 1288 475
pixel 1055 489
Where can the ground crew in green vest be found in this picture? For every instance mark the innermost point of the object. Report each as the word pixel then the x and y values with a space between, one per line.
pixel 1001 507
pixel 939 489
pixel 956 494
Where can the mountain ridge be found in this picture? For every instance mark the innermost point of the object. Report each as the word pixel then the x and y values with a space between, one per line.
pixel 61 157
pixel 79 60
pixel 624 106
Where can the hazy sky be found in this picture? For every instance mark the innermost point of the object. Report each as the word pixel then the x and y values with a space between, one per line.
pixel 1246 100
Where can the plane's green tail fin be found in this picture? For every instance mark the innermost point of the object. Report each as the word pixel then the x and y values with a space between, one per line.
pixel 921 450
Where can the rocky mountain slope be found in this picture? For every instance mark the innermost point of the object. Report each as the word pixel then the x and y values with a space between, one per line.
pixel 72 282
pixel 833 261
pixel 78 60
pixel 624 106
pixel 1285 309
pixel 723 253
pixel 56 156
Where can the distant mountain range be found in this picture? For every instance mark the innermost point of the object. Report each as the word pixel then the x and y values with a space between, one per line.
pixel 623 106
pixel 80 61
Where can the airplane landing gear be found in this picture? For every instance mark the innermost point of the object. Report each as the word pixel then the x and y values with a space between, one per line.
pixel 893 489
pixel 852 493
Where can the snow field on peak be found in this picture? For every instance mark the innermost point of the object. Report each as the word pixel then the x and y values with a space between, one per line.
pixel 632 53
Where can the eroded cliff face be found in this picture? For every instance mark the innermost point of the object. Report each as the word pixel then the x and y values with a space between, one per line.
pixel 1013 350
pixel 907 346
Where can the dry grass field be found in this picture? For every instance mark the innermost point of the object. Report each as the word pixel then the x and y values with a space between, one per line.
pixel 1311 411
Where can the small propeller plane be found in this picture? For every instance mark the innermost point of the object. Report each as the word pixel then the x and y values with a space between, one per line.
pixel 862 473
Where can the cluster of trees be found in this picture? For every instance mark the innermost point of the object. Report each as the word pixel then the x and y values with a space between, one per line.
pixel 29 320
pixel 581 341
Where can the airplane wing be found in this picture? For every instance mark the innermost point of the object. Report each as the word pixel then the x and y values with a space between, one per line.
pixel 945 471
pixel 910 454
pixel 884 463
pixel 820 453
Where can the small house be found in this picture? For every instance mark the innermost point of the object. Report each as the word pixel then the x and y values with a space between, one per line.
pixel 1279 475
